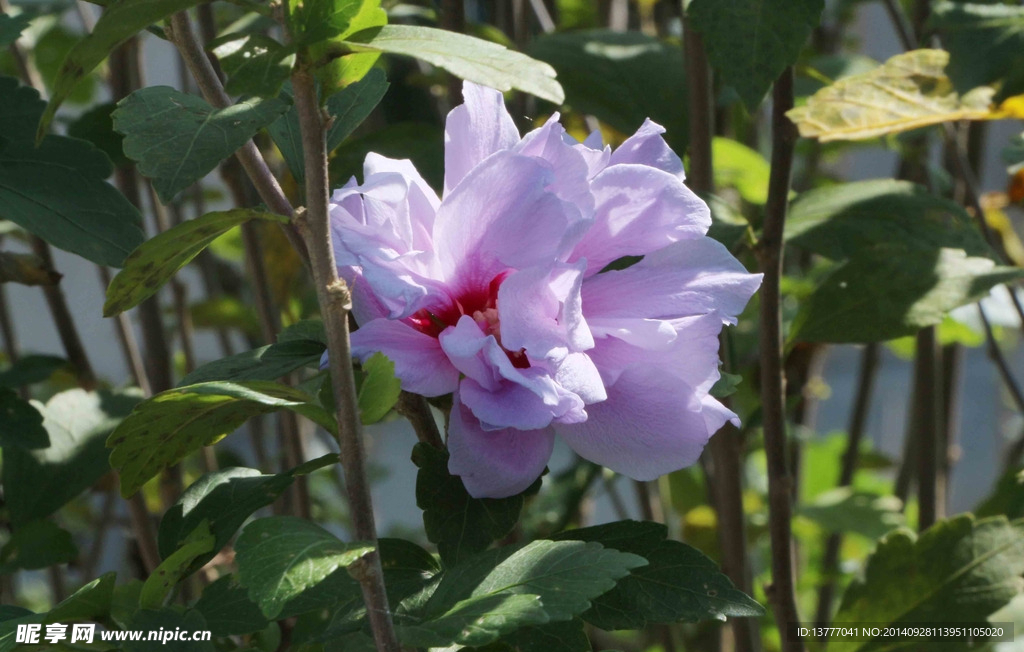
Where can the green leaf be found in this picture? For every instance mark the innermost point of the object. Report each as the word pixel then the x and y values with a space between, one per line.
pixel 178 138
pixel 726 385
pixel 228 610
pixel 737 166
pixel 839 221
pixel 985 43
pixel 265 363
pixel 345 17
pixel 168 620
pixel 158 259
pixel 281 557
pixel 38 483
pixel 459 524
pixel 89 603
pixel 959 569
pixel 20 108
pixel 1007 498
pixel 566 636
pixel 846 510
pixel 313 21
pixel 498 591
pixel 349 107
pixel 21 425
pixel 36 545
pixel 11 27
pixel 97 126
pixel 120 21
pixel 908 91
pixel 621 78
pixel 255 64
pixel 677 584
pixel 464 56
pixel 380 389
pixel 164 429
pixel 889 291
pixel 175 566
pixel 750 42
pixel 224 499
pixel 226 312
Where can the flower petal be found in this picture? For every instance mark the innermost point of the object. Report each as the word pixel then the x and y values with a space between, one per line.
pixel 567 159
pixel 647 147
pixel 639 209
pixel 474 130
pixel 690 277
pixel 501 217
pixel 495 463
pixel 420 363
pixel 650 425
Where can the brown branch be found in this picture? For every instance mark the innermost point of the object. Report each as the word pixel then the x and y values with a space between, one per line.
pixel 782 592
pixel 416 409
pixel 335 302
pixel 928 402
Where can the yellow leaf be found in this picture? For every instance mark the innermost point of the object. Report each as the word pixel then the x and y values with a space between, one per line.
pixel 908 91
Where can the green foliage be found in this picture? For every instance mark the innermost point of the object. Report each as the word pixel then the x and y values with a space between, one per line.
pixel 265 363
pixel 280 558
pixel 959 569
pixel 677 584
pixel 985 43
pixel 178 138
pixel 97 126
pixel 349 107
pixel 611 75
pixel 847 510
pixel 121 20
pixel 227 609
pixel 422 143
pixel 737 166
pixel 459 524
pixel 158 259
pixel 1007 498
pixel 380 389
pixel 89 603
pixel 11 27
pixel 21 425
pixel 57 190
pixel 496 592
pixel 38 483
pixel 37 545
pixel 175 566
pixel 750 42
pixel 255 64
pixel 470 58
pixel 164 429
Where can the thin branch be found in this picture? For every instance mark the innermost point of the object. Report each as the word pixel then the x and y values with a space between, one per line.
pixel 782 592
pixel 129 345
pixel 335 303
pixel 416 409
pixel 927 405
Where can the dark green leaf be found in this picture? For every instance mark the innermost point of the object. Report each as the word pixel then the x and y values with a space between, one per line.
pixel 280 558
pixel 121 20
pixel 985 43
pixel 464 56
pixel 958 570
pixel 498 591
pixel 839 221
pixel 37 545
pixel 847 510
pixel 31 369
pixel 349 107
pixel 178 138
pixel 164 429
pixel 750 42
pixel 726 385
pixel 621 78
pixel 678 583
pixel 307 329
pixel 21 425
pixel 228 610
pixel 255 64
pixel 265 363
pixel 11 28
pixel 459 524
pixel 175 566
pixel 169 620
pixel 567 636
pixel 1007 498
pixel 889 291
pixel 97 127
pixel 380 389
pixel 57 191
pixel 89 603
pixel 157 260
pixel 559 499
pixel 38 483
pixel 224 499
pixel 20 107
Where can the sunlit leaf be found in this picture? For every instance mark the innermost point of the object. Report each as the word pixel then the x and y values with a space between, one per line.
pixel 740 167
pixel 175 566
pixel 256 64
pixel 380 389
